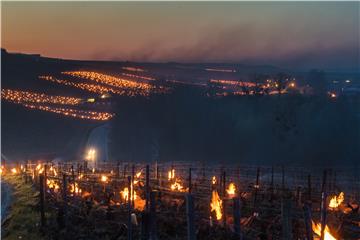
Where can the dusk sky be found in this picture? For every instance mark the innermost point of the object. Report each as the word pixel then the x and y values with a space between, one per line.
pixel 290 34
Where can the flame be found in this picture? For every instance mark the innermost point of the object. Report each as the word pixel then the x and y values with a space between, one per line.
pixel 39 168
pixel 80 176
pixel 213 180
pixel 231 190
pixel 74 188
pixel 176 186
pixel 93 170
pixel 91 155
pixel 52 169
pixel 13 170
pixel 52 104
pixel 52 184
pixel 125 194
pixel 216 204
pixel 316 227
pixel 137 175
pixel 138 202
pixel 336 200
pixel 104 178
pixel 171 174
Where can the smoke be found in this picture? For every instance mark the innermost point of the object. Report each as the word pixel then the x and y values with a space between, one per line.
pixel 247 43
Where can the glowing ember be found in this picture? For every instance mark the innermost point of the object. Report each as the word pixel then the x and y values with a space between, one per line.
pixel 231 190
pixel 213 180
pixel 316 227
pixel 335 201
pixel 216 204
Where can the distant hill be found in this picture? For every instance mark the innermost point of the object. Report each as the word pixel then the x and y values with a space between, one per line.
pixel 184 125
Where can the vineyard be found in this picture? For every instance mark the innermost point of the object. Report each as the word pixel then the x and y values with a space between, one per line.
pixel 192 201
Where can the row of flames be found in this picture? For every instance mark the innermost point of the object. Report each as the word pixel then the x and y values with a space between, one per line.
pixel 216 204
pixel 49 103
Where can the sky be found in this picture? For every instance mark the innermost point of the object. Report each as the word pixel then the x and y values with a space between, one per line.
pixel 289 34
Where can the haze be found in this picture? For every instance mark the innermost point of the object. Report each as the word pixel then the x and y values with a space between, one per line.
pixel 299 35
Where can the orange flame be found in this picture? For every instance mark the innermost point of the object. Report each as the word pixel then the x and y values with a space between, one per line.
pixel 213 180
pixel 176 186
pixel 104 178
pixel 231 190
pixel 74 188
pixel 52 169
pixel 13 170
pixel 138 202
pixel 171 174
pixel 335 201
pixel 125 194
pixel 216 204
pixel 52 184
pixel 137 175
pixel 39 168
pixel 316 227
